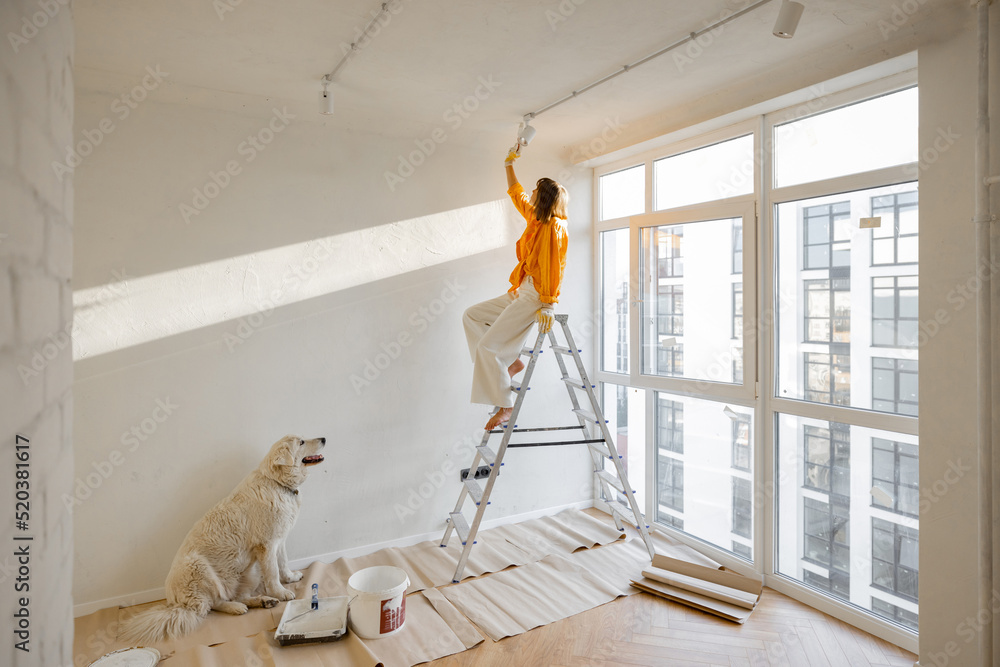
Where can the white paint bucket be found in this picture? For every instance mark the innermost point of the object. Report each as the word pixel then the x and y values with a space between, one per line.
pixel 378 601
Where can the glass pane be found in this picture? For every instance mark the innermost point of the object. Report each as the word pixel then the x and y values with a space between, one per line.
pixel 836 311
pixel 625 410
pixel 614 266
pixel 706 174
pixel 852 540
pixel 623 193
pixel 873 134
pixel 685 263
pixel 704 457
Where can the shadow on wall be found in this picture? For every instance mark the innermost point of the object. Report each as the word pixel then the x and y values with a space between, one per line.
pixel 133 311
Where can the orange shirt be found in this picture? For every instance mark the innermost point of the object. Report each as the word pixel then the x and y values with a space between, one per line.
pixel 541 250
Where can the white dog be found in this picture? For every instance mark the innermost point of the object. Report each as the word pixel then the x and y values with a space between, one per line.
pixel 244 534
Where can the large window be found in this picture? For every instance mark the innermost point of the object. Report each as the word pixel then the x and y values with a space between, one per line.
pixel 689 314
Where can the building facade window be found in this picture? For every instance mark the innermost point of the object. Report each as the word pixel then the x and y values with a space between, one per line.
pixel 741 443
pixel 828 311
pixel 670 425
pixel 743 550
pixel 828 377
pixel 671 520
pixel 827 236
pixel 894 311
pixel 894 385
pixel 738 365
pixel 895 240
pixel 737 304
pixel 894 558
pixel 894 613
pixel 742 507
pixel 671 482
pixel 827 459
pixel 670 359
pixel 827 543
pixel 895 472
pixel 670 310
pixel 670 263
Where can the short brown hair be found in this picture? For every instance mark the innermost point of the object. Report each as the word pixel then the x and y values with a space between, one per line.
pixel 552 201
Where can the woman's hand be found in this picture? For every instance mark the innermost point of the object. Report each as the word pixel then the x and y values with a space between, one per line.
pixel 512 155
pixel 545 319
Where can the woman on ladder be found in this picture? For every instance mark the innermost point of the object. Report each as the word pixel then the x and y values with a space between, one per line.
pixel 497 329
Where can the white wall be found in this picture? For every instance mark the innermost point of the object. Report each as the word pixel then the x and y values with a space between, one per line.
pixel 949 535
pixel 192 325
pixel 36 245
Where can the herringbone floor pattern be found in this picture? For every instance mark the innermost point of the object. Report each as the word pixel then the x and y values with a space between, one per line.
pixel 648 631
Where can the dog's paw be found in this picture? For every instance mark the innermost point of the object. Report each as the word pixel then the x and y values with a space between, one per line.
pixel 231 607
pixel 291 577
pixel 284 594
pixel 268 602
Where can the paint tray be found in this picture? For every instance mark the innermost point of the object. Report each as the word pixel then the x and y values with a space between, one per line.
pixel 300 624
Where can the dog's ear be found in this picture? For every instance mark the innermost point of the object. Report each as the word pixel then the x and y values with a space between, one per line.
pixel 285 457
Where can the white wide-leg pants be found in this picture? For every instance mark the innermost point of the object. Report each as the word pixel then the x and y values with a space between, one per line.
pixel 496 331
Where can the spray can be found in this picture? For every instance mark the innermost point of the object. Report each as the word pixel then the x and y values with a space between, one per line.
pixel 315 600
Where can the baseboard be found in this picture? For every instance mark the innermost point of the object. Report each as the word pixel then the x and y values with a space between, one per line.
pixel 154 594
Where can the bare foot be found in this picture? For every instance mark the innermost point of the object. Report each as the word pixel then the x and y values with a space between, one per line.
pixel 501 416
pixel 515 367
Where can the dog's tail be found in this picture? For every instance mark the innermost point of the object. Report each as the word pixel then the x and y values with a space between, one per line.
pixel 159 623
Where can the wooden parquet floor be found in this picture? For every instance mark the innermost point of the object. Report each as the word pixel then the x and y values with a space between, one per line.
pixel 648 631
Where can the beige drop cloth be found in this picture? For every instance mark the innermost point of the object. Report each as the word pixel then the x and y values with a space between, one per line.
pixel 558 586
pixel 427 564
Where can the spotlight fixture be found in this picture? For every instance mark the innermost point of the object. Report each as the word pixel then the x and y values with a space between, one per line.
pixel 326 98
pixel 788 19
pixel 526 133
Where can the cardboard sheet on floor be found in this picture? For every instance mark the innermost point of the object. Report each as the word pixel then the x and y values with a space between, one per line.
pixel 433 629
pixel 515 601
pixel 565 533
pixel 720 592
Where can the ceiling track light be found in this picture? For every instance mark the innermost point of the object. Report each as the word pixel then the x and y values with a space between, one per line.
pixel 326 98
pixel 525 132
pixel 788 19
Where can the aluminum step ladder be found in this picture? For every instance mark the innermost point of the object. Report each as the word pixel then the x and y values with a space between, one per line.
pixel 601 446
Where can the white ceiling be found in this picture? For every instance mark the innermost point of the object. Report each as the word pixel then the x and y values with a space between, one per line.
pixel 432 54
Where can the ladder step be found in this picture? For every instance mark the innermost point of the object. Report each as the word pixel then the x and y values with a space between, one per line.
pixel 561 349
pixel 488 454
pixel 528 350
pixel 461 526
pixel 622 511
pixel 609 478
pixel 589 416
pixel 576 383
pixel 600 447
pixel 475 491
pixel 515 445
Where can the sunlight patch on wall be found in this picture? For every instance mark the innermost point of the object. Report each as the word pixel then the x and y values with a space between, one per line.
pixel 133 311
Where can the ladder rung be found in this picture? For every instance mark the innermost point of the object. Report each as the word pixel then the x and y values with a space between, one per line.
pixel 475 491
pixel 607 477
pixel 515 386
pixel 488 454
pixel 589 416
pixel 547 444
pixel 528 350
pixel 601 448
pixel 461 526
pixel 561 349
pixel 534 430
pixel 577 383
pixel 622 511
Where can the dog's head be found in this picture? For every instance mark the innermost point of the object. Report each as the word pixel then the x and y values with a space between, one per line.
pixel 288 459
